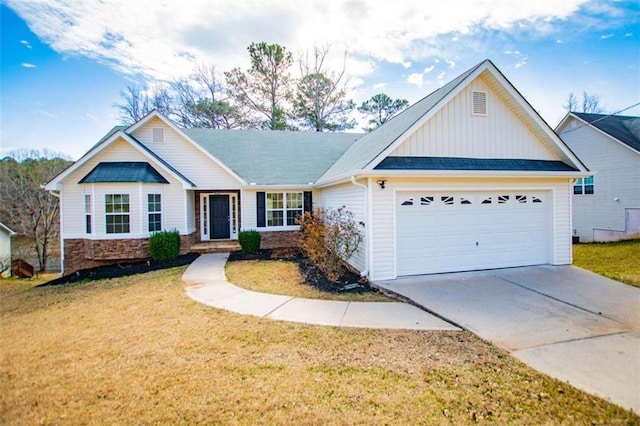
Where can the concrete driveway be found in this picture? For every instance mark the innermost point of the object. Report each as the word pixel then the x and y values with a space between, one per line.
pixel 562 320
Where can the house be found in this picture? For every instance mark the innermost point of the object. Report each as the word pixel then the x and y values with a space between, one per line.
pixel 606 203
pixel 470 177
pixel 5 249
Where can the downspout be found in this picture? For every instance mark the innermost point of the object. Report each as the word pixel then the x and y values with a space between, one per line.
pixel 367 227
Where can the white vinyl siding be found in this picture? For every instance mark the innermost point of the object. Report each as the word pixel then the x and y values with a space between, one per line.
pixel 383 243
pixel 185 157
pixel 616 170
pixel 352 197
pixel 73 198
pixel 454 132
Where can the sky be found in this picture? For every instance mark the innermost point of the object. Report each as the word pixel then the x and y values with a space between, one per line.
pixel 64 63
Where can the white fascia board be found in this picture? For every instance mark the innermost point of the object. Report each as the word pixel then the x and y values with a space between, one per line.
pixel 380 174
pixel 178 130
pixel 433 111
pixel 54 184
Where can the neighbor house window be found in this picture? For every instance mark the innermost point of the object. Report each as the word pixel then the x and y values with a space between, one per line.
pixel 584 186
pixel 283 208
pixel 116 207
pixel 154 207
pixel 87 213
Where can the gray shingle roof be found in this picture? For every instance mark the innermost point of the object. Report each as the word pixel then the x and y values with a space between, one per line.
pixel 455 163
pixel 367 148
pixel 135 171
pixel 624 128
pixel 267 157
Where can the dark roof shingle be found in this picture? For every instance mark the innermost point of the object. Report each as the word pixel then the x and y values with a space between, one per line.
pixel 468 164
pixel 123 172
pixel 624 128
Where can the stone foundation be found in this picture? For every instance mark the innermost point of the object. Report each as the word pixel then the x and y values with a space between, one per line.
pixel 275 239
pixel 85 254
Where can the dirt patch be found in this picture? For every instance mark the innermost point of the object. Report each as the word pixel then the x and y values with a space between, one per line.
pixel 121 270
pixel 349 281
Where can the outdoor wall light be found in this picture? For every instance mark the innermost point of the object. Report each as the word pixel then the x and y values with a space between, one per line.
pixel 381 182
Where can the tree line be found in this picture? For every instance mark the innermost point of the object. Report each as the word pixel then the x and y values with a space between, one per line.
pixel 27 208
pixel 264 96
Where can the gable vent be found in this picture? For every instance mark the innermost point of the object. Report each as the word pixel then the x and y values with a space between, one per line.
pixel 478 103
pixel 158 134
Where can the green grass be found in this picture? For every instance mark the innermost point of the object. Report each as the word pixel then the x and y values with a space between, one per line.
pixel 136 350
pixel 619 260
pixel 284 277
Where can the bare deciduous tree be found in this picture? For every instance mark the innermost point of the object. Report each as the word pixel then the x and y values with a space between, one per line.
pixel 24 205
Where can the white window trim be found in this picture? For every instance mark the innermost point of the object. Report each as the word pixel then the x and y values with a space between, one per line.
pixel 581 183
pixel 106 214
pixel 160 212
pixel 284 210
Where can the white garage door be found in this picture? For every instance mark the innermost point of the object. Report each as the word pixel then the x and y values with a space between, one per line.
pixel 465 231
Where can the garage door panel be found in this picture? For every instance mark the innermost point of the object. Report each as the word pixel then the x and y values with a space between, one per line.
pixel 468 231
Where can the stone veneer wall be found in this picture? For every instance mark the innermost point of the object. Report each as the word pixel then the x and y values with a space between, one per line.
pixel 84 254
pixel 276 239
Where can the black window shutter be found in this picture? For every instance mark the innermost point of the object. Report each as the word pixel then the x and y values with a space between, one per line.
pixel 261 210
pixel 308 202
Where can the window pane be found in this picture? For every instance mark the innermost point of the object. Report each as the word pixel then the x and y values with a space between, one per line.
pixel 88 223
pixel 274 218
pixel 117 224
pixel 588 189
pixel 274 201
pixel 155 224
pixel 577 189
pixel 292 215
pixel 588 180
pixel 294 200
pixel 154 204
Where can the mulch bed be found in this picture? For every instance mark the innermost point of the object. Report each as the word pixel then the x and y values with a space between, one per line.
pixel 121 270
pixel 349 281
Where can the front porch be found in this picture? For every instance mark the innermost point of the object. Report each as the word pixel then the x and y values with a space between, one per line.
pixel 219 246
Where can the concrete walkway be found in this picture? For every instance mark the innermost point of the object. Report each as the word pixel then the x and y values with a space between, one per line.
pixel 205 282
pixel 564 321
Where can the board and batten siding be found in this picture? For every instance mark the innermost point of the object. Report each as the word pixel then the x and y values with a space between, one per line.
pixel 194 164
pixel 73 200
pixel 616 170
pixel 351 197
pixel 454 132
pixel 383 245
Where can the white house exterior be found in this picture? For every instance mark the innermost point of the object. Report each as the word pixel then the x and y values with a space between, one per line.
pixel 5 246
pixel 606 204
pixel 468 178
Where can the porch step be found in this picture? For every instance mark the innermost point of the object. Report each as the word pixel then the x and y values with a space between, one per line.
pixel 215 246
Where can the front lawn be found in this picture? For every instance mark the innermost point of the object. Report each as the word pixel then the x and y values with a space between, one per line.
pixel 619 261
pixel 136 350
pixel 284 277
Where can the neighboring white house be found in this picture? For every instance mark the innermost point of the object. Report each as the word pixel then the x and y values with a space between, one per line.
pixel 5 247
pixel 470 177
pixel 606 204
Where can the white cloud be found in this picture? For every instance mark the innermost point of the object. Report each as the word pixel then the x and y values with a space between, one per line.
pixel 628 34
pixel 429 69
pixel 521 62
pixel 26 44
pixel 28 65
pixel 452 64
pixel 416 79
pixel 379 86
pixel 162 39
pixel 606 36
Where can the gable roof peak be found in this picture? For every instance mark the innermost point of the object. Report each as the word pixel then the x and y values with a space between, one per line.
pixel 624 128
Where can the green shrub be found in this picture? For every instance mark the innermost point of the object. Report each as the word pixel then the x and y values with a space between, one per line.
pixel 164 246
pixel 249 241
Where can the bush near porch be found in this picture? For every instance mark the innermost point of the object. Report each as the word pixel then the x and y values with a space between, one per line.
pixel 618 260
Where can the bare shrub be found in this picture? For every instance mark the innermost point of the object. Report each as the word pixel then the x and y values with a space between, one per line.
pixel 329 237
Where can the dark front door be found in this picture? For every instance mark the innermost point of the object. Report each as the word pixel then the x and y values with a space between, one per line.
pixel 219 216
